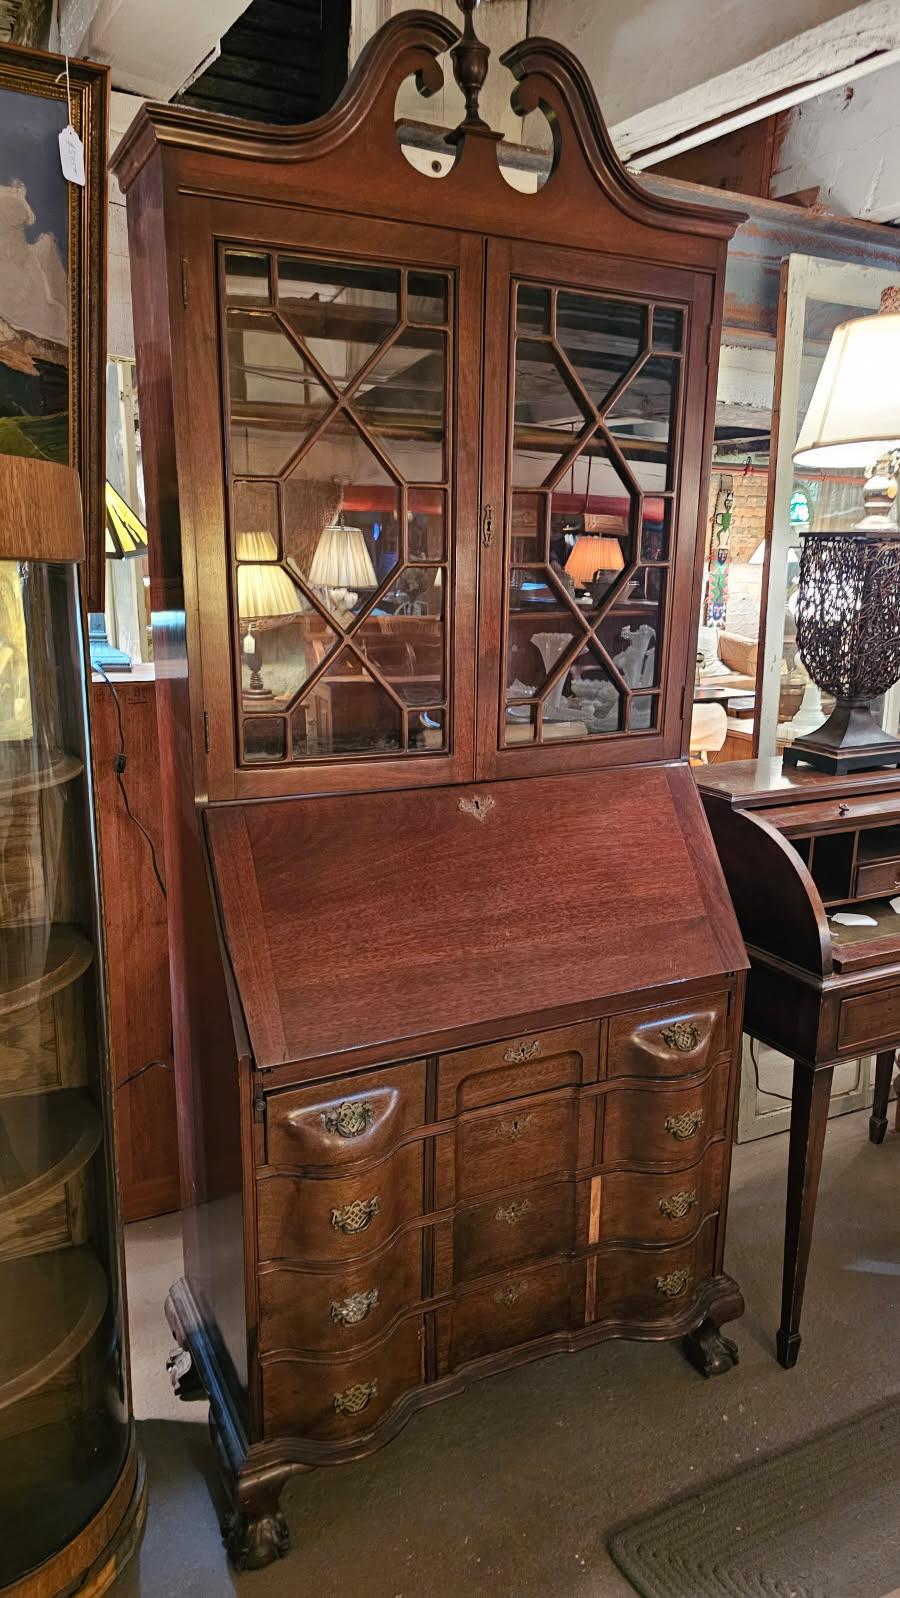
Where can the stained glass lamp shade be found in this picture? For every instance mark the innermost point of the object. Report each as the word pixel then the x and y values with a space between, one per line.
pixel 848 602
pixel 126 535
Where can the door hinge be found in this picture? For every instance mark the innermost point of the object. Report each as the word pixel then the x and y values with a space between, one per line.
pixel 184 281
pixel 206 730
pixel 487 526
pixel 709 344
pixel 683 698
pixel 259 1109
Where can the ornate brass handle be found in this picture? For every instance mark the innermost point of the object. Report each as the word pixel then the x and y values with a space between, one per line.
pixel 674 1284
pixel 350 1119
pixel 350 1311
pixel 354 1399
pixel 511 1214
pixel 357 1216
pixel 678 1205
pixel 683 1036
pixel 510 1294
pixel 520 1052
pixel 685 1125
pixel 512 1129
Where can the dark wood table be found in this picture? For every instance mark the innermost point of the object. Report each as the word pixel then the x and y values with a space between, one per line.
pixel 799 847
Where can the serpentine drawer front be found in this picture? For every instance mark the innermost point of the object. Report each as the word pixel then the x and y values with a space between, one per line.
pixel 341 1217
pixel 332 1310
pixel 655 1124
pixel 640 1207
pixel 513 1309
pixel 667 1042
pixel 333 1399
pixel 642 1286
pixel 513 1228
pixel 354 1118
pixel 531 1138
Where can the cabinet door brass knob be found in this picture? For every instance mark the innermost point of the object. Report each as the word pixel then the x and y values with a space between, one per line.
pixel 674 1284
pixel 350 1311
pixel 685 1125
pixel 683 1036
pixel 357 1216
pixel 677 1205
pixel 354 1399
pixel 511 1214
pixel 350 1119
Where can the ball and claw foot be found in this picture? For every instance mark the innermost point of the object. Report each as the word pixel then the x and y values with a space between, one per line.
pixel 709 1350
pixel 186 1383
pixel 252 1542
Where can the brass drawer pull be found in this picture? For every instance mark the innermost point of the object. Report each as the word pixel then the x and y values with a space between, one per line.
pixel 674 1284
pixel 354 1399
pixel 520 1052
pixel 350 1311
pixel 685 1125
pixel 511 1214
pixel 512 1129
pixel 510 1294
pixel 357 1216
pixel 683 1036
pixel 678 1205
pixel 351 1119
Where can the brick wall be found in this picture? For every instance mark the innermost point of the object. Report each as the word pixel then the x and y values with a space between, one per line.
pixel 748 517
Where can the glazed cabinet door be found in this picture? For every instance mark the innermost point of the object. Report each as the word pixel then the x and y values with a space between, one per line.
pixel 595 415
pixel 335 524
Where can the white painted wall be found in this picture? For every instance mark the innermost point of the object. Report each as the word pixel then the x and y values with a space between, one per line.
pixel 847 143
pixel 153 46
pixel 120 330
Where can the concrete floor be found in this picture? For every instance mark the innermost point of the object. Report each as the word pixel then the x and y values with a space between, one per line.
pixel 512 1488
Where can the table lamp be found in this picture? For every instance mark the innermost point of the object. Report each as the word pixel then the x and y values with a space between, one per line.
pixel 848 601
pixel 594 561
pixel 264 591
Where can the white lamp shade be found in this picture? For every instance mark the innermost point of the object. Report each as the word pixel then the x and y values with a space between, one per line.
pixel 342 559
pixel 255 546
pixel 854 414
pixel 266 591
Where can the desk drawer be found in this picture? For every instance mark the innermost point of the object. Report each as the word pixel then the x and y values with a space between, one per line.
pixel 883 876
pixel 513 1230
pixel 531 1138
pixel 336 1399
pixel 646 1208
pixel 536 1062
pixel 354 1118
pixel 677 1040
pixel 651 1125
pixel 330 1311
pixel 340 1218
pixel 870 1020
pixel 641 1286
pixel 513 1309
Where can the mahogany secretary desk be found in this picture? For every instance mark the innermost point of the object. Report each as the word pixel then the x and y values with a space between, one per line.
pixel 456 981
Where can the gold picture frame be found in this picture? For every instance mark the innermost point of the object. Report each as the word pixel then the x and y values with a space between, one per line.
pixel 53 278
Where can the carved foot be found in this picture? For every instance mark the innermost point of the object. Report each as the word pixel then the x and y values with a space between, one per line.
pixel 709 1350
pixel 254 1541
pixel 186 1383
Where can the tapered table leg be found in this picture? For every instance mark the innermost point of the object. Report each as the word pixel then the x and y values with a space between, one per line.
pixel 884 1066
pixel 809 1115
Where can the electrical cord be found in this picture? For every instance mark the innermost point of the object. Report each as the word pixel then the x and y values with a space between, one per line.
pixel 784 1098
pixel 120 764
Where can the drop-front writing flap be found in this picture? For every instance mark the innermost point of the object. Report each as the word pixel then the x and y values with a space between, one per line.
pixel 352 921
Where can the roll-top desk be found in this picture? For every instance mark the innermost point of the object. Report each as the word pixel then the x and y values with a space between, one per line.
pixel 799 847
pixel 456 981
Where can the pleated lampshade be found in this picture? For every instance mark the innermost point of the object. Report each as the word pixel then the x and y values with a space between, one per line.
pixel 263 589
pixel 342 559
pixel 590 555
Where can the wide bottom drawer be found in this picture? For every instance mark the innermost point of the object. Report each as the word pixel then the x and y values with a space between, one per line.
pixel 331 1400
pixel 515 1309
pixel 640 1286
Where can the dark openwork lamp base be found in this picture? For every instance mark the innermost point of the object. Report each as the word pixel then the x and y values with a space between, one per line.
pixel 850 740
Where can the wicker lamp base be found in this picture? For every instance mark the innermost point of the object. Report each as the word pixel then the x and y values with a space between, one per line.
pixel 850 740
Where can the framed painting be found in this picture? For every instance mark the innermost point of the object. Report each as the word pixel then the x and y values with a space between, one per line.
pixel 53 277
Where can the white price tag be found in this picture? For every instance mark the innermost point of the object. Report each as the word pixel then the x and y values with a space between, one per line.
pixel 71 155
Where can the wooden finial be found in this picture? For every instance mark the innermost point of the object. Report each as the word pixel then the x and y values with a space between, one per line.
pixel 470 64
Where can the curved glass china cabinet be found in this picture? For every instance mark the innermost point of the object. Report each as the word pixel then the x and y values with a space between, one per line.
pixel 68 1476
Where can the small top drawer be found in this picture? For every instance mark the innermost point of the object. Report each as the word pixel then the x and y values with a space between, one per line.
pixel 353 1118
pixel 882 876
pixel 535 1062
pixel 668 1041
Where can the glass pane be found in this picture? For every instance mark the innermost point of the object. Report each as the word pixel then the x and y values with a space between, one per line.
pixel 537 643
pixel 643 714
pixel 262 449
pixel 264 738
pixel 590 527
pixel 601 338
pixel 247 276
pixel 631 632
pixel 427 730
pixel 532 309
pixel 526 530
pixel 341 520
pixel 548 415
pixel 401 401
pixel 592 695
pixel 265 369
pixel 255 512
pixel 341 312
pixel 668 327
pixel 655 528
pixel 64 1422
pixel 346 713
pixel 404 635
pixel 426 524
pixel 642 421
pixel 426 298
pixel 283 637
